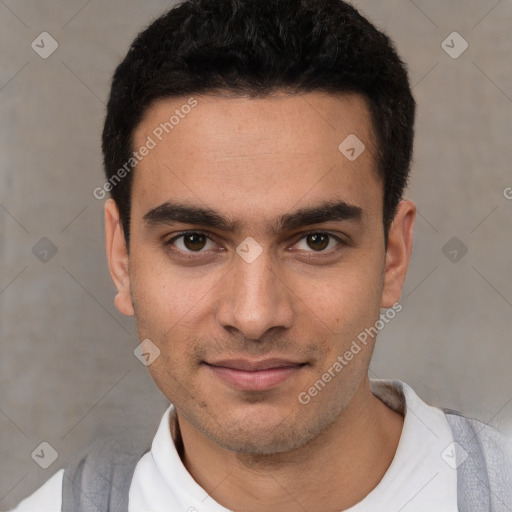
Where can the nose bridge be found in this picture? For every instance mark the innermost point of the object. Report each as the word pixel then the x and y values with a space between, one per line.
pixel 254 298
pixel 254 277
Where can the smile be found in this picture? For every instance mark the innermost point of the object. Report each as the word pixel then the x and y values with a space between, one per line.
pixel 254 376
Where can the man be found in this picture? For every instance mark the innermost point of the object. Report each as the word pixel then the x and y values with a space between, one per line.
pixel 256 154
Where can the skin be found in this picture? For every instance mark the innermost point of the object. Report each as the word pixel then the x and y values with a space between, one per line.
pixel 252 161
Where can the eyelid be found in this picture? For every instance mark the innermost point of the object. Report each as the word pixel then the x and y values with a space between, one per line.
pixel 337 238
pixel 301 235
pixel 190 232
pixel 188 254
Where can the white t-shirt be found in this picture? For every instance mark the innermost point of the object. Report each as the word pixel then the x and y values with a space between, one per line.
pixel 420 477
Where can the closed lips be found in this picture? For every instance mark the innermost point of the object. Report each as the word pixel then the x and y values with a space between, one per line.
pixel 254 366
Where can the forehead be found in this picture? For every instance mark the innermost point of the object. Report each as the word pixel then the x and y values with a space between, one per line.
pixel 251 157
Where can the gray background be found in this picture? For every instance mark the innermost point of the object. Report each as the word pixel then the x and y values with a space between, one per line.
pixel 67 369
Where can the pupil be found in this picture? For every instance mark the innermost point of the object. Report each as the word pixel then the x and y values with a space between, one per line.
pixel 315 238
pixel 194 245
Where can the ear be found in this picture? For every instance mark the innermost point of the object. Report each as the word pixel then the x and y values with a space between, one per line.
pixel 398 253
pixel 117 255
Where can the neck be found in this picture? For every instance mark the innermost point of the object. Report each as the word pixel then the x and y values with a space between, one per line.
pixel 333 472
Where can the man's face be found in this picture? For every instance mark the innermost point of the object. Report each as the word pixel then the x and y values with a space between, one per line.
pixel 249 318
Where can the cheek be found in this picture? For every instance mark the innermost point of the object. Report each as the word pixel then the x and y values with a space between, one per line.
pixel 168 296
pixel 342 301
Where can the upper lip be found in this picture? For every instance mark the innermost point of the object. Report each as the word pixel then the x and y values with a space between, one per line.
pixel 252 366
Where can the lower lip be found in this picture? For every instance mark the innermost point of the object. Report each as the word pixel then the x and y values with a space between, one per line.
pixel 256 380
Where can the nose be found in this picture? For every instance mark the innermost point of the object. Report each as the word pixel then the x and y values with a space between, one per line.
pixel 254 298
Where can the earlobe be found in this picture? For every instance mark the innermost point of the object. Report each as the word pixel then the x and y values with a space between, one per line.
pixel 117 256
pixel 398 253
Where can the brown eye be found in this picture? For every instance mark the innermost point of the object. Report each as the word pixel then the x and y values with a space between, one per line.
pixel 194 241
pixel 191 242
pixel 318 241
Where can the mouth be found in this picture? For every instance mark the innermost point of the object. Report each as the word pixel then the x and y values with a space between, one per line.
pixel 246 375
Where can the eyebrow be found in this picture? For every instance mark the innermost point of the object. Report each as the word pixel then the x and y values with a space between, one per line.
pixel 328 211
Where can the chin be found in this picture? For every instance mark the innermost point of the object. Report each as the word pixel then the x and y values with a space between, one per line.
pixel 250 443
pixel 253 436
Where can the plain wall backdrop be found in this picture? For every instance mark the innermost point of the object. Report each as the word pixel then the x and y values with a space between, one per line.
pixel 67 368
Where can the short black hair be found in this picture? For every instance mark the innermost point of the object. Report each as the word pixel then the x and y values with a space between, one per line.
pixel 256 48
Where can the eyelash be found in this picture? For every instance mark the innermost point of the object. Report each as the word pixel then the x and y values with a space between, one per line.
pixel 192 254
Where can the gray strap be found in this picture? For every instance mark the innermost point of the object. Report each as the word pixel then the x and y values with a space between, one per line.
pixel 100 479
pixel 473 488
